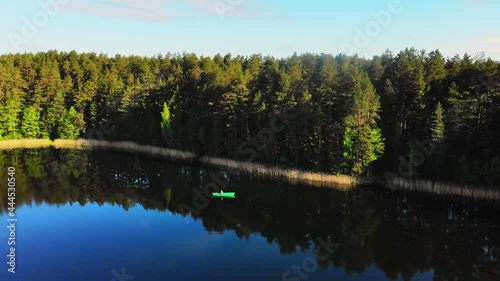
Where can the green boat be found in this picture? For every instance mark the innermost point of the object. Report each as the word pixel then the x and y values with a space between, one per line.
pixel 224 195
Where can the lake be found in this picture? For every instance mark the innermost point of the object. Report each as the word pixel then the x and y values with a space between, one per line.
pixel 115 217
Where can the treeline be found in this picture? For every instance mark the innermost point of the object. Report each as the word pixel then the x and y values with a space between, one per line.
pixel 343 112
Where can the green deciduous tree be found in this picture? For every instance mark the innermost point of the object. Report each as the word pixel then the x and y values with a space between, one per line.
pixel 166 128
pixel 363 142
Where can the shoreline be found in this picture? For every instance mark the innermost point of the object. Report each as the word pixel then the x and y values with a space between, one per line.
pixel 293 176
pixel 439 188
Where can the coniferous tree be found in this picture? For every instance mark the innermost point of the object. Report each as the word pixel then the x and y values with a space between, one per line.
pixel 30 127
pixel 1 125
pixel 68 125
pixel 51 115
pixel 10 116
pixel 437 128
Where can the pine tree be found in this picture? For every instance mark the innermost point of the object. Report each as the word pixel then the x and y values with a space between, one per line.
pixel 1 122
pixel 30 127
pixel 410 88
pixel 68 125
pixel 437 128
pixel 51 115
pixel 9 117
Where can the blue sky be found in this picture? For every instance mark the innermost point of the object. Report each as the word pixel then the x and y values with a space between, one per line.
pixel 244 27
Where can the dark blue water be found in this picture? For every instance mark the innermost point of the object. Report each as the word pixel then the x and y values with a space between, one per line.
pixel 119 217
pixel 86 243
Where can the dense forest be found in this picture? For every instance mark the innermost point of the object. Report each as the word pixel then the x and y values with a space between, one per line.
pixel 341 114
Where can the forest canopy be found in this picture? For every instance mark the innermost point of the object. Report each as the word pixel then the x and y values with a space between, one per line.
pixel 348 112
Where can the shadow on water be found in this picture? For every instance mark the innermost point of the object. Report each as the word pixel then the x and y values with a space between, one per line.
pixel 401 233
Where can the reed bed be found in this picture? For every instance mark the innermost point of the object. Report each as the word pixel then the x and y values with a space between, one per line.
pixel 290 175
pixel 70 144
pixel 126 146
pixel 294 176
pixel 25 143
pixel 440 188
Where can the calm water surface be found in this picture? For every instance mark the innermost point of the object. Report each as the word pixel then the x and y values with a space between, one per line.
pixel 115 217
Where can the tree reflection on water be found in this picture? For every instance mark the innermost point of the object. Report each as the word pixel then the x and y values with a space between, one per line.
pixel 401 233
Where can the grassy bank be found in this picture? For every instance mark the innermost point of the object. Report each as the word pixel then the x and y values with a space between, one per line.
pixel 253 169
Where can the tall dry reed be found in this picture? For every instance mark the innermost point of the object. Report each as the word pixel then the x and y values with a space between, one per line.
pixel 25 143
pixel 290 175
pixel 440 188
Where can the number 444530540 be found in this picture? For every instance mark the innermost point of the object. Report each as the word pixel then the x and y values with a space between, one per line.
pixel 11 191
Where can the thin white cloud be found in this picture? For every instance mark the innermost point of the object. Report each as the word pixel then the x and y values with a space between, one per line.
pixel 142 4
pixel 492 39
pixel 489 44
pixel 163 10
pixel 225 8
pixel 122 9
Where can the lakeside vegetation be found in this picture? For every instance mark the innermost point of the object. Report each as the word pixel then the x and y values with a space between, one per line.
pixel 443 188
pixel 252 169
pixel 316 112
pixel 259 170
